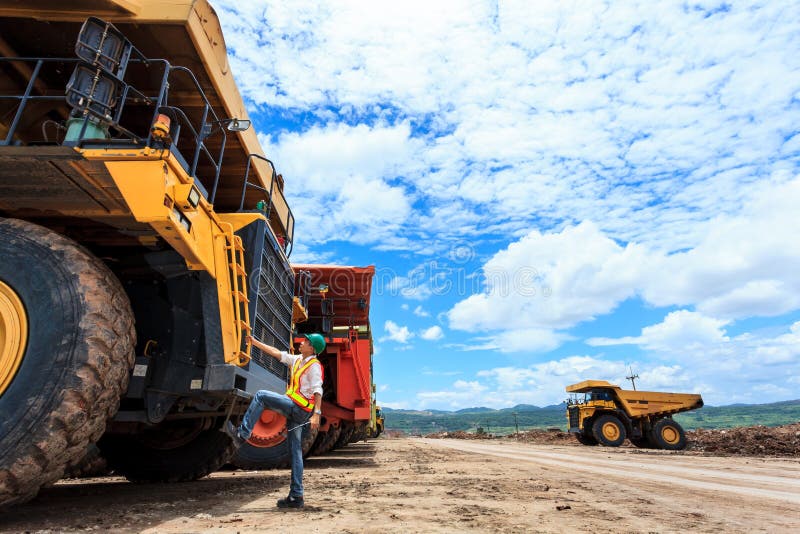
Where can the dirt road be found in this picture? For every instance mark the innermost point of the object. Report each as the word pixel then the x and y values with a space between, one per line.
pixel 418 485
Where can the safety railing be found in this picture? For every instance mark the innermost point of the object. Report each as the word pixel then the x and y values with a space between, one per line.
pixel 288 224
pixel 197 131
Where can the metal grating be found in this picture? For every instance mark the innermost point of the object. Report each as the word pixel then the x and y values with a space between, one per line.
pixel 573 417
pixel 273 317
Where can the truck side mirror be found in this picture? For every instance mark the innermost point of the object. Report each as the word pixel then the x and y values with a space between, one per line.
pixel 238 125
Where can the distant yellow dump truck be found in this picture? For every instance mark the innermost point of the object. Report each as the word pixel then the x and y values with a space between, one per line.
pixel 607 414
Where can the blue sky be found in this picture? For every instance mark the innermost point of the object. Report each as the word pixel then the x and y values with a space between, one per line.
pixel 550 191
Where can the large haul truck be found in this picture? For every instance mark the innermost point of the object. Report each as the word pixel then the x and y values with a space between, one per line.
pixel 603 413
pixel 143 235
pixel 341 312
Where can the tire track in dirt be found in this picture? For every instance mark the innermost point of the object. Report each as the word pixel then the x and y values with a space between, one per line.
pixel 658 469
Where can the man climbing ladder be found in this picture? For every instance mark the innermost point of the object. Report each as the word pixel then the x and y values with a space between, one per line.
pixel 301 405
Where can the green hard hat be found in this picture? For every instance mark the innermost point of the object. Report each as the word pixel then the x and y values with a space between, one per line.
pixel 317 341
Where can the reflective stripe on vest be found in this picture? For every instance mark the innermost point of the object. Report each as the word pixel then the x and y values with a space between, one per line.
pixel 293 390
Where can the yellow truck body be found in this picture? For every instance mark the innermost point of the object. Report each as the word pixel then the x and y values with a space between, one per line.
pixel 607 414
pixel 143 235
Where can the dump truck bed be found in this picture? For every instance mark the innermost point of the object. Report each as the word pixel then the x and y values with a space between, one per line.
pixel 186 31
pixel 642 403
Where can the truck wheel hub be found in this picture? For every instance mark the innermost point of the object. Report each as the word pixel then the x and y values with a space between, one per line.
pixel 269 430
pixel 13 335
pixel 610 431
pixel 670 435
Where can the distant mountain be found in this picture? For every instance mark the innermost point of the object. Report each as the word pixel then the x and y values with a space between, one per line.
pixel 525 416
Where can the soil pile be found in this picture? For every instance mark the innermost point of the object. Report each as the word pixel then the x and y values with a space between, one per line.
pixel 748 441
pixel 459 434
pixel 551 436
pixel 741 441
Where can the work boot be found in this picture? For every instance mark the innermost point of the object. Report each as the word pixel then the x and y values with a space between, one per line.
pixel 290 502
pixel 233 432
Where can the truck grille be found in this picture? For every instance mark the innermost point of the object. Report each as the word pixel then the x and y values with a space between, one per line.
pixel 573 416
pixel 273 306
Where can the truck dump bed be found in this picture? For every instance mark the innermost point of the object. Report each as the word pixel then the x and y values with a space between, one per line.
pixel 639 403
pixel 186 31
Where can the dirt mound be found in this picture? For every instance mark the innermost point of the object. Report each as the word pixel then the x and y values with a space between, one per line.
pixel 536 435
pixel 459 434
pixel 552 436
pixel 740 441
pixel 748 441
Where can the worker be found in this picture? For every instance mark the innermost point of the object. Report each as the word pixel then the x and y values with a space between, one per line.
pixel 301 405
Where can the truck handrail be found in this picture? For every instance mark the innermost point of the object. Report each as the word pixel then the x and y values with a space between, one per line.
pixel 288 225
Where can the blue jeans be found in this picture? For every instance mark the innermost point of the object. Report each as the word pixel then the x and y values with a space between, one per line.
pixel 295 416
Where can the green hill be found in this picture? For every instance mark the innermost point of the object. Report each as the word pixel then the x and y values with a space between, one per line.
pixel 527 416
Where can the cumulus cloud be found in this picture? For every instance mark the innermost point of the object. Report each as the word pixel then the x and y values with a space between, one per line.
pixel 644 119
pixel 434 333
pixel 680 330
pixel 420 312
pixel 397 333
pixel 742 266
pixel 551 281
pixel 624 150
pixel 749 368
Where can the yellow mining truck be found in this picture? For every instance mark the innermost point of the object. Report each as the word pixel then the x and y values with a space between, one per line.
pixel 375 428
pixel 143 234
pixel 600 412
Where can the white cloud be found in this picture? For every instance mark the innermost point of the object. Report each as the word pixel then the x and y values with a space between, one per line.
pixel 742 266
pixel 334 180
pixel 420 312
pixel 645 120
pixel 725 369
pixel 401 405
pixel 630 149
pixel 551 281
pixel 462 394
pixel 680 330
pixel 540 384
pixel 433 333
pixel 397 333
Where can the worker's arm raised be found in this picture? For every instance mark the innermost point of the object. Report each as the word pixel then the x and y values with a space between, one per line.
pixel 263 347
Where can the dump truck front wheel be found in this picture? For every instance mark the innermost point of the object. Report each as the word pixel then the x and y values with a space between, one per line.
pixel 669 435
pixel 585 439
pixel 174 451
pixel 277 455
pixel 67 347
pixel 609 431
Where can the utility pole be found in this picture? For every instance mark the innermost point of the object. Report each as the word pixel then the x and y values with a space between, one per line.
pixel 516 425
pixel 632 378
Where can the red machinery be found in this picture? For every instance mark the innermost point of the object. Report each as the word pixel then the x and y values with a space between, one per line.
pixel 337 303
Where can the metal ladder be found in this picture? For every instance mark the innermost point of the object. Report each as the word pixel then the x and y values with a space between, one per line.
pixel 241 315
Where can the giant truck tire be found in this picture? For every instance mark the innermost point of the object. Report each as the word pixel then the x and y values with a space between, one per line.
pixel 360 433
pixel 325 441
pixel 174 451
pixel 669 435
pixel 585 439
pixel 346 430
pixel 608 430
pixel 66 347
pixel 276 456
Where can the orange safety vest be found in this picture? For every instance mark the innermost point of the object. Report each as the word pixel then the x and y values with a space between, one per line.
pixel 293 389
